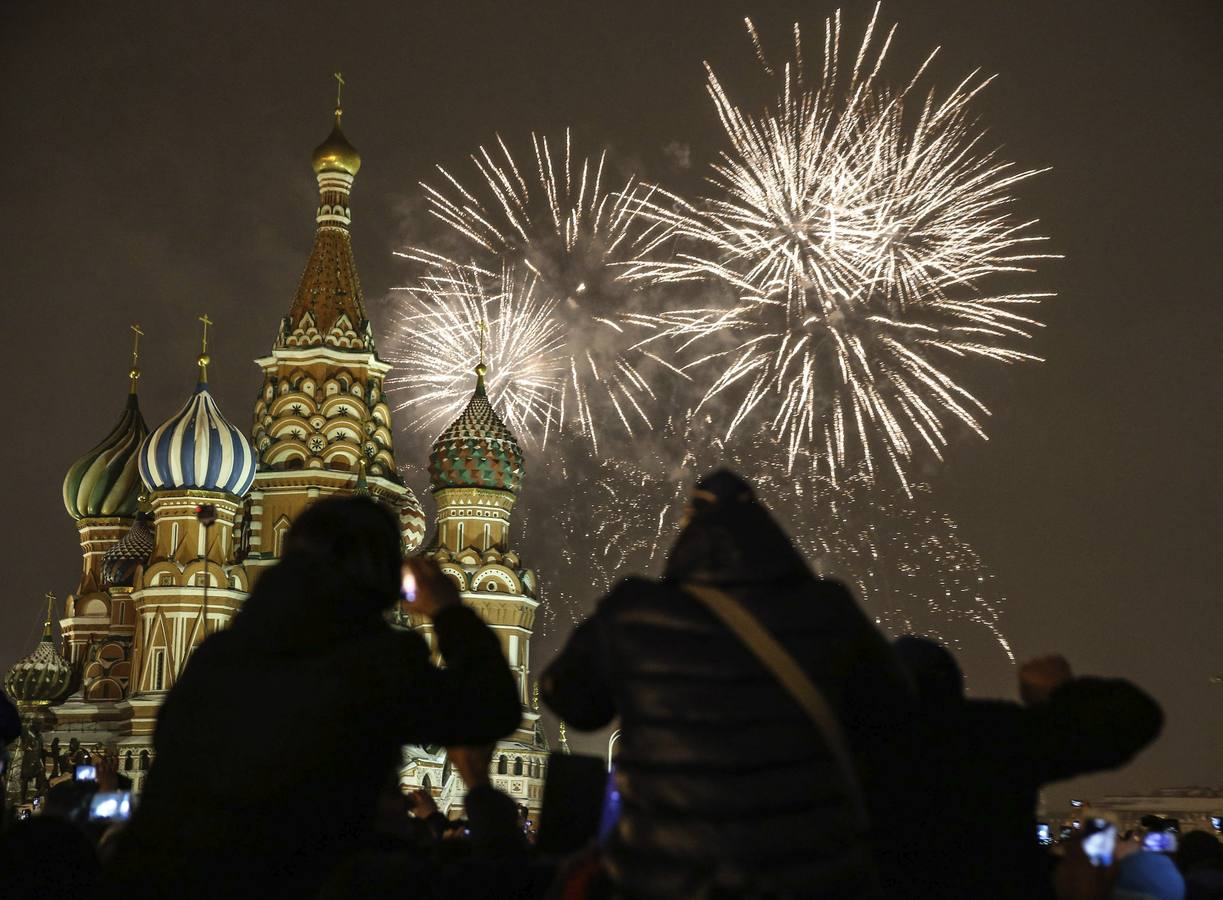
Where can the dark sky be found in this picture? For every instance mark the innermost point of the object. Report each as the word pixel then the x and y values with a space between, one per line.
pixel 156 159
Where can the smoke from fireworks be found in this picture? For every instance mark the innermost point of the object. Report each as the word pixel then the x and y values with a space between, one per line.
pixel 857 237
pixel 905 559
pixel 563 221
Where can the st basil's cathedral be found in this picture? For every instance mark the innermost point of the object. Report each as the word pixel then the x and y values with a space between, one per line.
pixel 157 576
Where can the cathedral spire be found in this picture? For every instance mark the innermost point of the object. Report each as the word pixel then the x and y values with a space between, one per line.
pixel 329 308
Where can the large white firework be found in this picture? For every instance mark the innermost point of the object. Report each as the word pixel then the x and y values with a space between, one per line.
pixel 858 232
pixel 457 317
pixel 562 219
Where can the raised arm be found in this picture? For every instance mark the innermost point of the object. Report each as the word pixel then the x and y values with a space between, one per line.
pixel 474 698
pixel 1078 725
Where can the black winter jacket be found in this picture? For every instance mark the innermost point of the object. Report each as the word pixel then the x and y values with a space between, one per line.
pixel 726 784
pixel 982 764
pixel 274 745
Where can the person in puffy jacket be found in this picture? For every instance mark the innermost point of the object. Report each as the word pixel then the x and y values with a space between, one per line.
pixel 727 786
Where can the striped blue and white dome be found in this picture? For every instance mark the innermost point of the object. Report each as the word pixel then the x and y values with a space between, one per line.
pixel 198 448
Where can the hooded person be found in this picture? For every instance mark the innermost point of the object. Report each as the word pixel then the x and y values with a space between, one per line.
pixel 273 747
pixel 982 763
pixel 727 787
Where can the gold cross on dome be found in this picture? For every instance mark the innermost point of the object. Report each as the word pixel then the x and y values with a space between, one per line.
pixel 483 326
pixel 137 334
pixel 339 92
pixel 207 321
pixel 134 372
pixel 50 598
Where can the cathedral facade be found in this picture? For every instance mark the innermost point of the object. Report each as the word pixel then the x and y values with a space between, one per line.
pixel 178 522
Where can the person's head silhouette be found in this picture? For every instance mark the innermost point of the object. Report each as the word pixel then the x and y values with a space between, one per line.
pixel 358 538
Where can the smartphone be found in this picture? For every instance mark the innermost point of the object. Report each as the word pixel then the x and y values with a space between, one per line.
pixel 1044 834
pixel 407 588
pixel 1216 822
pixel 1099 841
pixel 610 814
pixel 1159 842
pixel 85 772
pixel 111 806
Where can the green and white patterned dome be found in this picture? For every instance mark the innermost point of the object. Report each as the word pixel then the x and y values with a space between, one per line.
pixel 105 481
pixel 477 450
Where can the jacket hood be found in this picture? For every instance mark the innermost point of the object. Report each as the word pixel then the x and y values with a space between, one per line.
pixel 732 538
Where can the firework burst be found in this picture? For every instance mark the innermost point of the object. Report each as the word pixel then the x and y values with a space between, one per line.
pixel 458 316
pixel 563 220
pixel 856 229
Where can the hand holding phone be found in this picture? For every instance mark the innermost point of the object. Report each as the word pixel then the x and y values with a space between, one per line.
pixel 1159 842
pixel 1099 842
pixel 427 588
pixel 111 806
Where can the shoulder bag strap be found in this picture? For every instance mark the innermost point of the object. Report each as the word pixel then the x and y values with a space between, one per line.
pixel 782 665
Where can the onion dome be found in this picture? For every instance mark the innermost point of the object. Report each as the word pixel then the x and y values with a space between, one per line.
pixel 477 450
pixel 133 549
pixel 198 448
pixel 44 676
pixel 335 154
pixel 105 481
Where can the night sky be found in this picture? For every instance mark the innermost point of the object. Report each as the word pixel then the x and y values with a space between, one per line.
pixel 156 159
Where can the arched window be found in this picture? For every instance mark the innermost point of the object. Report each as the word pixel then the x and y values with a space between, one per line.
pixel 502 764
pixel 427 784
pixel 144 760
pixel 517 765
pixel 127 761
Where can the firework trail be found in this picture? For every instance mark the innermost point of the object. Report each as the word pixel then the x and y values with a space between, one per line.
pixel 563 220
pixel 458 316
pixel 856 234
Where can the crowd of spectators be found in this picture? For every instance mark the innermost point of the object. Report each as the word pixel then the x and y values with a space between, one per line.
pixel 773 744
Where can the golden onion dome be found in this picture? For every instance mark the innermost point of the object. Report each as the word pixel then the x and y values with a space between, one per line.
pixel 335 154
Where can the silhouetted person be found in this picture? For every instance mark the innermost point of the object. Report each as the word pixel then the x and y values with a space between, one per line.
pixel 983 762
pixel 45 856
pixel 1200 859
pixel 274 746
pixel 727 786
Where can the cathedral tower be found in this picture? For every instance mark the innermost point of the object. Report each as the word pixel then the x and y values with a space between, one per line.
pixel 322 420
pixel 476 470
pixel 101 492
pixel 35 682
pixel 197 467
